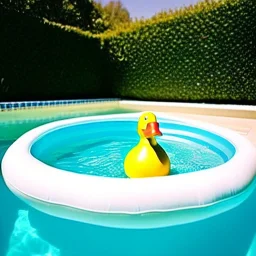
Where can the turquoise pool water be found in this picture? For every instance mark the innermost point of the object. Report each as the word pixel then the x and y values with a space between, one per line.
pixel 99 148
pixel 25 231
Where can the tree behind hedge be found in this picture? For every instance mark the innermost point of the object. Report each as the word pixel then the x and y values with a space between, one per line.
pixel 78 13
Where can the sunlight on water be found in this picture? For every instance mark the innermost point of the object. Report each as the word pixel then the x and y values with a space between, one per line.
pixel 252 249
pixel 105 157
pixel 25 241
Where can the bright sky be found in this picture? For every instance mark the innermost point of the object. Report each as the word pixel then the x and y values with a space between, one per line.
pixel 147 8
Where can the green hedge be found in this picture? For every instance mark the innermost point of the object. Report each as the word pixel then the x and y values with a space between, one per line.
pixel 205 53
pixel 42 61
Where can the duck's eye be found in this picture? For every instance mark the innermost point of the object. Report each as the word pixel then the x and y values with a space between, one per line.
pixel 145 118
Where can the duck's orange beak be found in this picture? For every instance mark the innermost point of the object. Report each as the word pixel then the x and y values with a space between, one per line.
pixel 152 129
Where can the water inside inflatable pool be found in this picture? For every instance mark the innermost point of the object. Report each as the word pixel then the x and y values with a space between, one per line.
pixel 105 157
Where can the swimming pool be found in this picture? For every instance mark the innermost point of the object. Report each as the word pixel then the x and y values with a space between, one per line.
pixel 29 231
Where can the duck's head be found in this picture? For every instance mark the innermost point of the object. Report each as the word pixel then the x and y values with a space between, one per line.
pixel 148 126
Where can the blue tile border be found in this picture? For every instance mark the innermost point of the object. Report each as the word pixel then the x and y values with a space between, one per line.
pixel 7 106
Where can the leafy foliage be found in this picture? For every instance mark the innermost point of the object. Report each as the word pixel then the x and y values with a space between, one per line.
pixel 116 14
pixel 201 53
pixel 79 13
pixel 206 52
pixel 85 14
pixel 43 60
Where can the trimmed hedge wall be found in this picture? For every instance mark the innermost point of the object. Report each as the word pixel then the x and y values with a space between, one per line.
pixel 205 53
pixel 42 61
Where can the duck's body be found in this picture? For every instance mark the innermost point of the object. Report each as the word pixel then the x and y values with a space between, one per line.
pixel 147 158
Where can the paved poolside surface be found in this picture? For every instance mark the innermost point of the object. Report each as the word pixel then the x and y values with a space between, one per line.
pixel 241 119
pixel 244 126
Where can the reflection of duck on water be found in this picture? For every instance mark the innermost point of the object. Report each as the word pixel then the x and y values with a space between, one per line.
pixel 147 158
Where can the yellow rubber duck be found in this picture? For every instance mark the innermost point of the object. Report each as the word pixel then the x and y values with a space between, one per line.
pixel 147 158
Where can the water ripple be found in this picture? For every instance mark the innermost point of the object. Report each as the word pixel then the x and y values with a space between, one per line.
pixel 105 157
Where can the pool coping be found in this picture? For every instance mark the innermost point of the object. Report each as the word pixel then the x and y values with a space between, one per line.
pixel 20 105
pixel 227 110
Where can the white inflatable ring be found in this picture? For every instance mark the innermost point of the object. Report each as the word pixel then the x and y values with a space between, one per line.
pixel 130 203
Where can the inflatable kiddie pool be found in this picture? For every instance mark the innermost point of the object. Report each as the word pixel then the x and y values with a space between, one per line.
pixel 182 197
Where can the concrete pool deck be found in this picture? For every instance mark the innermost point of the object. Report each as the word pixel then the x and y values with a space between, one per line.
pixel 241 119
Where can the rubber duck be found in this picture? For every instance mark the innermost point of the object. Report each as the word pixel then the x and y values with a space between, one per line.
pixel 147 158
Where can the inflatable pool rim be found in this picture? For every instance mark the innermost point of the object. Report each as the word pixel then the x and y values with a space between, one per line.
pixel 130 203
